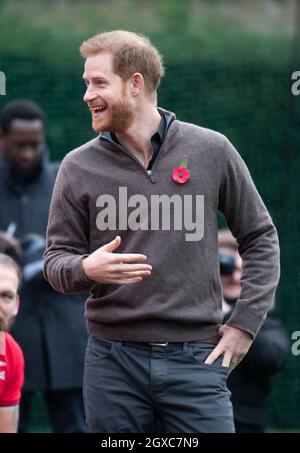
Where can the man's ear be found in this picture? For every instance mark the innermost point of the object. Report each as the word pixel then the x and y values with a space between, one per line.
pixel 137 83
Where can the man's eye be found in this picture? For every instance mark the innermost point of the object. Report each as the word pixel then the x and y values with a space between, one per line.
pixel 6 296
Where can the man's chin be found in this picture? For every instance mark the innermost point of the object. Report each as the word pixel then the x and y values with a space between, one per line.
pixel 6 323
pixel 229 296
pixel 24 170
pixel 99 126
pixel 3 326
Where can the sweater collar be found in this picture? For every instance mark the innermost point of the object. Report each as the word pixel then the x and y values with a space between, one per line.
pixel 167 118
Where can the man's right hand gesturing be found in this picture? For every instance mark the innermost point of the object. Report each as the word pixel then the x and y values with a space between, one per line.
pixel 104 266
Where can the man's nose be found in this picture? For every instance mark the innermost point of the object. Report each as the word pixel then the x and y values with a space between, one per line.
pixel 28 153
pixel 89 95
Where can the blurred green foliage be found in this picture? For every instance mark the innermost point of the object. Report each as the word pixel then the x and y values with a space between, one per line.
pixel 182 29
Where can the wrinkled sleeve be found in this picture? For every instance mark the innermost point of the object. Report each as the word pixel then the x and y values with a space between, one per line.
pixel 67 239
pixel 258 245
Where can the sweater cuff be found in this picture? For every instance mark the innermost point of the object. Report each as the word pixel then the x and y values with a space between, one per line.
pixel 244 322
pixel 83 276
pixel 74 279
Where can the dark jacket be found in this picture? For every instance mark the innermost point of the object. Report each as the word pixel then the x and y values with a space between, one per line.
pixel 50 326
pixel 250 382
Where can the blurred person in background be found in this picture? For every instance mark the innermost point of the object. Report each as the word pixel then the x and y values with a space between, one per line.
pixel 250 382
pixel 11 355
pixel 50 326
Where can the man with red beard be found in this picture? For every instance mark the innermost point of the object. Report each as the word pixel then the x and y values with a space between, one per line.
pixel 11 356
pixel 157 346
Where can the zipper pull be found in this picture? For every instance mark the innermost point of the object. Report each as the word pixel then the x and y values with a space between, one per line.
pixel 151 176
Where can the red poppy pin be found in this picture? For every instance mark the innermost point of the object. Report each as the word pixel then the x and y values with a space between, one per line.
pixel 181 174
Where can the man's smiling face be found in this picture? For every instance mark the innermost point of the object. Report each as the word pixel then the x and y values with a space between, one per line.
pixel 22 145
pixel 107 96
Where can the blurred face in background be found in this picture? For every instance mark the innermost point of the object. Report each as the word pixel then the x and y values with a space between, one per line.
pixel 231 283
pixel 9 299
pixel 107 95
pixel 22 145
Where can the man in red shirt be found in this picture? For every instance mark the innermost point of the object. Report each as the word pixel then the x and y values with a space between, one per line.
pixel 11 356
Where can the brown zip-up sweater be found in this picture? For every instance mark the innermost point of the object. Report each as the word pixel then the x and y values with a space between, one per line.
pixel 102 190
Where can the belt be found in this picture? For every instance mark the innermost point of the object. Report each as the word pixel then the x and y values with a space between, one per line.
pixel 213 340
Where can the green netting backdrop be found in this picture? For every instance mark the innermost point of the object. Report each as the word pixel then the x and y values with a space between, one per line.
pixel 251 103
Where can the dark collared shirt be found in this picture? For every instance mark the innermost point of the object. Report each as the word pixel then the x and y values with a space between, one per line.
pixel 156 139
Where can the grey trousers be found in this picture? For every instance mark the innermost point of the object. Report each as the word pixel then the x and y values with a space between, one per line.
pixel 135 387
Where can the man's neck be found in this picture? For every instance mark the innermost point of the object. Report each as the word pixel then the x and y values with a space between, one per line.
pixel 137 139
